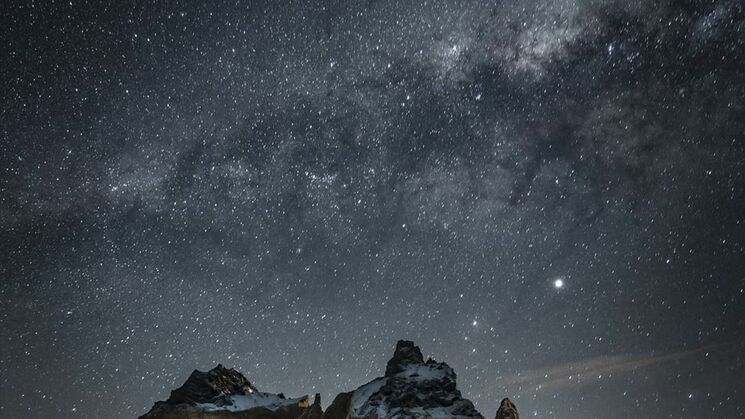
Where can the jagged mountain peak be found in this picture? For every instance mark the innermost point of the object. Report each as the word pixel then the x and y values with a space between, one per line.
pixel 406 353
pixel 213 386
pixel 225 392
pixel 410 388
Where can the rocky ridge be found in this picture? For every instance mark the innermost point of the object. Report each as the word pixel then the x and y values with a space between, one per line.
pixel 410 388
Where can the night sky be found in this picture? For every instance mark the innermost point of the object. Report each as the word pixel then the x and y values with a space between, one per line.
pixel 547 195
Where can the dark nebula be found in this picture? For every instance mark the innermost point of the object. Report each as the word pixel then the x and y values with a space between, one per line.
pixel 288 188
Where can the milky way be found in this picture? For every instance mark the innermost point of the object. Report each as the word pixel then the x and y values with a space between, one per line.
pixel 289 188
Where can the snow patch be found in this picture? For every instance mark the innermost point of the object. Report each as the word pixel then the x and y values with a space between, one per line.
pixel 240 402
pixel 362 394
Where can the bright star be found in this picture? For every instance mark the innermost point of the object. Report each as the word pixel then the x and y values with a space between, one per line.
pixel 558 283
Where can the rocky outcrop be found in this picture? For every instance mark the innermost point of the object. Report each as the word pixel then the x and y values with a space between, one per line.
pixel 212 386
pixel 410 388
pixel 340 408
pixel 226 393
pixel 406 354
pixel 507 410
pixel 315 411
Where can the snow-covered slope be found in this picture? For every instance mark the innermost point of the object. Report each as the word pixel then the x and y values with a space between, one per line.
pixel 424 390
pixel 223 392
pixel 238 402
pixel 411 388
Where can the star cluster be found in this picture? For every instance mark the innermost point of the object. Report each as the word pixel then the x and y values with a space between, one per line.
pixel 549 196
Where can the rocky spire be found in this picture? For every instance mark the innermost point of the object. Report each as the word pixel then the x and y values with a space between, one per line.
pixel 315 411
pixel 406 353
pixel 507 410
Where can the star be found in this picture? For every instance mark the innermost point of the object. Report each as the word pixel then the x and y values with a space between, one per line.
pixel 234 188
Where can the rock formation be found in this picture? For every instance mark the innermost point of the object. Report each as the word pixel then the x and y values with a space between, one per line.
pixel 410 388
pixel 406 353
pixel 225 393
pixel 315 411
pixel 507 410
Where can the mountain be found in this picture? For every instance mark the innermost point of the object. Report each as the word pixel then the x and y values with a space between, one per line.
pixel 225 393
pixel 410 388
